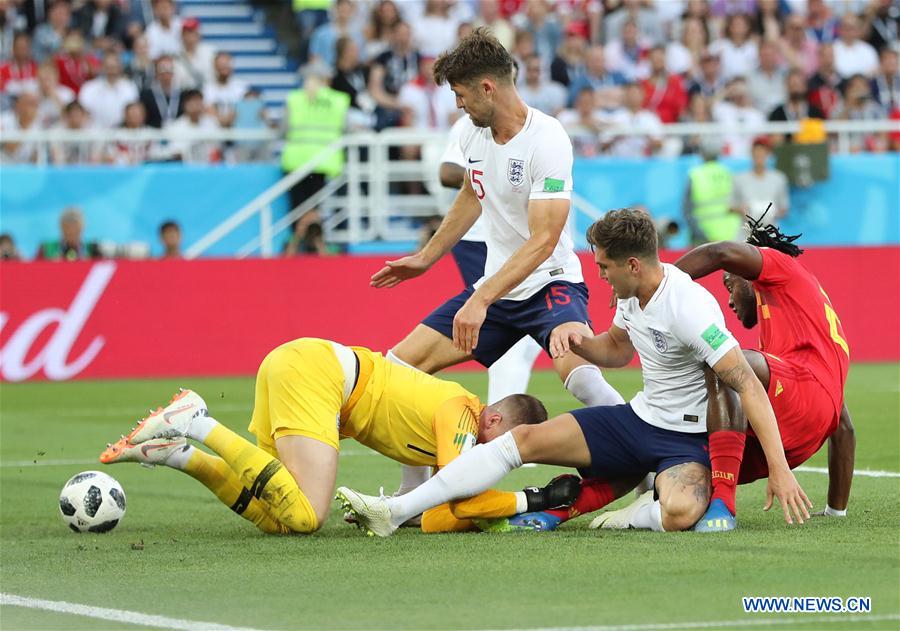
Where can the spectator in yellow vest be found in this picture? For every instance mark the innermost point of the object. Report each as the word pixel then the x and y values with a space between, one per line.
pixel 315 117
pixel 707 198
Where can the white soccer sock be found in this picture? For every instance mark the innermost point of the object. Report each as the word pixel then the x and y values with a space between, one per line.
pixel 200 427
pixel 178 459
pixel 586 383
pixel 648 517
pixel 473 472
pixel 412 477
pixel 521 502
pixel 510 374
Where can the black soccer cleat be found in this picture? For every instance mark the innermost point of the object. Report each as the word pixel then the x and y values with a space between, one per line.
pixel 560 492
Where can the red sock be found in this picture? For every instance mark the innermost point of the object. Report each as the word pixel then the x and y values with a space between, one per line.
pixel 595 494
pixel 726 451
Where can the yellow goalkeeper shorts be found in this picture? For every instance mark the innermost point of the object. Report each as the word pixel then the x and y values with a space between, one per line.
pixel 300 389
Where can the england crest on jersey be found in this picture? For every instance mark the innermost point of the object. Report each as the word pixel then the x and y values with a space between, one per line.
pixel 659 341
pixel 516 172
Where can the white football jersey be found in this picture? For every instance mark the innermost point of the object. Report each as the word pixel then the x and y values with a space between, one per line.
pixel 680 328
pixel 535 164
pixel 453 155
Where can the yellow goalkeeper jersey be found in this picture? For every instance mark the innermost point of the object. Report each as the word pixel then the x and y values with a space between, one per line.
pixel 403 413
pixel 408 415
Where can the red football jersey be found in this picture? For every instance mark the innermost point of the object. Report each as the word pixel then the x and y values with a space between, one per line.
pixel 798 323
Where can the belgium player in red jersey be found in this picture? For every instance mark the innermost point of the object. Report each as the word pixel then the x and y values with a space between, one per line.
pixel 802 362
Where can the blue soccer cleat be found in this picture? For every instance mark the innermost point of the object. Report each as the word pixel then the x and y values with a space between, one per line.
pixel 717 518
pixel 526 522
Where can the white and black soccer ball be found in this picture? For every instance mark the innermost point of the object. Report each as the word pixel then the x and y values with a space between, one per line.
pixel 92 501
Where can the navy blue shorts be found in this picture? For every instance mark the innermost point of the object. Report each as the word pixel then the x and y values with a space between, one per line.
pixel 508 321
pixel 623 445
pixel 470 257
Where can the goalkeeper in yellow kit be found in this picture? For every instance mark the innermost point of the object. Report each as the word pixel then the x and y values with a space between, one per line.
pixel 310 393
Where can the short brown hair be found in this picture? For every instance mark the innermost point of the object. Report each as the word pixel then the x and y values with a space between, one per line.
pixel 477 55
pixel 522 409
pixel 624 233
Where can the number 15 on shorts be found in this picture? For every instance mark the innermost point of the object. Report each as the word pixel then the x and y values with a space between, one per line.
pixel 557 295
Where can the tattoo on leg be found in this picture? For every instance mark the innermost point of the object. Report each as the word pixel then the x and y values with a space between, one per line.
pixel 691 478
pixel 701 491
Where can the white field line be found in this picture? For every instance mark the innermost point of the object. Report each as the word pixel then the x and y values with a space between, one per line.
pixel 862 472
pixel 728 624
pixel 164 622
pixel 116 615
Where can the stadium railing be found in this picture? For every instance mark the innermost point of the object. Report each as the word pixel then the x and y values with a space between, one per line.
pixel 367 202
pixel 43 139
pixel 361 204
pixel 840 130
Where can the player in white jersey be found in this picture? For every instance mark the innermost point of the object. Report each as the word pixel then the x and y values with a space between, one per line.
pixel 519 177
pixel 509 374
pixel 676 328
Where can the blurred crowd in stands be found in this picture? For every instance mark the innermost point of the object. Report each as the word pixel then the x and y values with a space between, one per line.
pixel 602 64
pixel 307 237
pixel 71 244
pixel 596 64
pixel 93 64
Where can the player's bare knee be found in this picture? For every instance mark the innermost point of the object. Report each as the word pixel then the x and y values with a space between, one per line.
pixel 684 491
pixel 683 506
pixel 681 511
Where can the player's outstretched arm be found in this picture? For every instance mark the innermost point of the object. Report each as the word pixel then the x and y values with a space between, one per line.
pixel 734 370
pixel 841 458
pixel 741 259
pixel 462 214
pixel 546 221
pixel 612 349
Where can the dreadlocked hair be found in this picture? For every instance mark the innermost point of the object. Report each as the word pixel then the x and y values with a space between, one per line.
pixel 769 236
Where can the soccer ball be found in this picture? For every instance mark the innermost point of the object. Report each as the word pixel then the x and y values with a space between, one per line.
pixel 92 501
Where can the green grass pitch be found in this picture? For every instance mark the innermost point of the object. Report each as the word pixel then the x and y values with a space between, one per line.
pixel 179 553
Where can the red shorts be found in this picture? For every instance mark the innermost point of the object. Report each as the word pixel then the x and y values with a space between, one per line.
pixel 805 414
